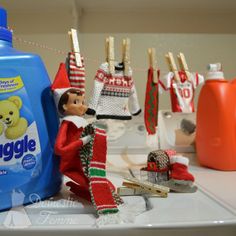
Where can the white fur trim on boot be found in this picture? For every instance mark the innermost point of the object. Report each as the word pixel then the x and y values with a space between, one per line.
pixel 179 159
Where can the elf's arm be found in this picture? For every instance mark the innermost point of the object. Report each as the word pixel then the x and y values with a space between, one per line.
pixel 62 146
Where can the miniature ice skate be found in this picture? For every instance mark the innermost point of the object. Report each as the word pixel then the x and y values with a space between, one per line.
pixel 180 178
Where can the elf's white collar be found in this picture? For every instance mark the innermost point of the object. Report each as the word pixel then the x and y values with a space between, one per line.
pixel 76 120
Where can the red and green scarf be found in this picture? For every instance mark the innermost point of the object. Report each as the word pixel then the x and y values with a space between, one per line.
pixel 93 158
pixel 151 102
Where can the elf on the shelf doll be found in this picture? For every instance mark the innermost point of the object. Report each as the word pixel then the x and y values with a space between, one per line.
pixel 82 148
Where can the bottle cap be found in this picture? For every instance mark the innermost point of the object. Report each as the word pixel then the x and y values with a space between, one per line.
pixel 5 33
pixel 214 71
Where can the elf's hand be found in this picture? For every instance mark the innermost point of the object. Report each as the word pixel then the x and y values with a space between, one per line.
pixel 86 139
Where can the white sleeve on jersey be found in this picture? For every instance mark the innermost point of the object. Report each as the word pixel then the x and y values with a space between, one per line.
pixel 197 79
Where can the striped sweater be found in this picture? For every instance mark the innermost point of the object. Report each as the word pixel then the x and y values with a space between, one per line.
pixel 76 74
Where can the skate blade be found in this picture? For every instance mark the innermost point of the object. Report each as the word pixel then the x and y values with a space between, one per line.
pixel 179 187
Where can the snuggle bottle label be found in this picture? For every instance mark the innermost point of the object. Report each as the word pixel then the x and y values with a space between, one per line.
pixel 20 150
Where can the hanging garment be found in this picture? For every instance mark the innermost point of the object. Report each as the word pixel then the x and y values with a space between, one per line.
pixel 114 96
pixel 182 92
pixel 151 103
pixel 76 74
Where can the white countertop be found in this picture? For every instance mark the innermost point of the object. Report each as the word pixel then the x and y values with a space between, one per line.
pixel 211 210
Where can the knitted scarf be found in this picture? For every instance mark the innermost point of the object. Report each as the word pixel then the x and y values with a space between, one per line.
pixel 151 103
pixel 93 158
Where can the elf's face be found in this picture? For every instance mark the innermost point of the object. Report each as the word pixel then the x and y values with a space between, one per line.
pixel 75 105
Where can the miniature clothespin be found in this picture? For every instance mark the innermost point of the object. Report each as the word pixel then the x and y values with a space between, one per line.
pixel 183 65
pixel 75 46
pixel 172 65
pixel 126 55
pixel 110 54
pixel 156 189
pixel 128 191
pixel 153 63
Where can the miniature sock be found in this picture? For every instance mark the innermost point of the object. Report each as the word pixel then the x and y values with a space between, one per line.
pixel 179 169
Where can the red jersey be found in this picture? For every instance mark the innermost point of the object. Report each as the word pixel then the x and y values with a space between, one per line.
pixel 182 92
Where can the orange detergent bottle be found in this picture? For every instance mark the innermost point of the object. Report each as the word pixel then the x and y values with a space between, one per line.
pixel 216 121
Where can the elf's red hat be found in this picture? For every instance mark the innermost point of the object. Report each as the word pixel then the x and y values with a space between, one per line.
pixel 61 83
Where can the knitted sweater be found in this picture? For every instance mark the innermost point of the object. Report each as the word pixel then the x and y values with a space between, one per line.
pixel 114 96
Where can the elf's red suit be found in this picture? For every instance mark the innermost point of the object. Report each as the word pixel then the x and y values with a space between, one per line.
pixel 68 144
pixel 84 164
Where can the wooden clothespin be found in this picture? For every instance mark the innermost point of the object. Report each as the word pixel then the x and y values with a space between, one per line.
pixel 130 191
pixel 153 63
pixel 75 46
pixel 183 65
pixel 172 65
pixel 126 55
pixel 110 54
pixel 156 189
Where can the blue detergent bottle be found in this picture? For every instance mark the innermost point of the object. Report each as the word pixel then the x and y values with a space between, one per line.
pixel 29 170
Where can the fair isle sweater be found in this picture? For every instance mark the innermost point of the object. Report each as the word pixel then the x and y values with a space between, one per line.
pixel 114 96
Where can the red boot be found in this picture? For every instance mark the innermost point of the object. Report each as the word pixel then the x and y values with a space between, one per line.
pixel 179 169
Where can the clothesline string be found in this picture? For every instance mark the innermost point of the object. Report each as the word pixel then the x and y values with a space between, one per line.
pixel 61 52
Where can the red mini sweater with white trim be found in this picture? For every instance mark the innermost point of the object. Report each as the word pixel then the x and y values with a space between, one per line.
pixel 114 96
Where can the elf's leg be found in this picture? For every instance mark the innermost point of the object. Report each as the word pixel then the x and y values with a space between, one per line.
pixel 79 190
